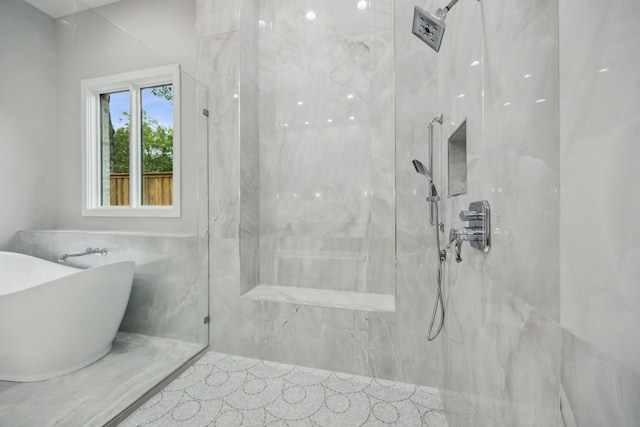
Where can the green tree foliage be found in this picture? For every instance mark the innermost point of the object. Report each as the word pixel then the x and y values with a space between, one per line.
pixel 165 92
pixel 120 162
pixel 157 145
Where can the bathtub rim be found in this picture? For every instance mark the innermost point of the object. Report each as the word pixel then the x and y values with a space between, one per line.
pixel 72 271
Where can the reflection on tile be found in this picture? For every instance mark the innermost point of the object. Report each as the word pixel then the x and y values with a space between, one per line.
pixel 223 390
pixel 99 392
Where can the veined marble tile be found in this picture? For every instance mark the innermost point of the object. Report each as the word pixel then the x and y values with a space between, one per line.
pixel 249 263
pixel 598 158
pixel 517 168
pixel 502 355
pixel 326 161
pixel 219 65
pixel 336 263
pixel 249 125
pixel 92 396
pixel 216 17
pixel 600 391
pixel 234 321
pixel 384 344
pixel 502 345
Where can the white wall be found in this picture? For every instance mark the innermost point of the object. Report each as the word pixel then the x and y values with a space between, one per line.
pixel 89 45
pixel 27 119
pixel 167 27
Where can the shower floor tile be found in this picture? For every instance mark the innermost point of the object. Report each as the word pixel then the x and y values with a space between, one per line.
pixel 224 390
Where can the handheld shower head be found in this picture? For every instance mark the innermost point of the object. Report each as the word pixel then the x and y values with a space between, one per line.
pixel 417 164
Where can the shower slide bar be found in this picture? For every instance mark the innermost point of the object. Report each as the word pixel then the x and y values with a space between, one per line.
pixel 88 251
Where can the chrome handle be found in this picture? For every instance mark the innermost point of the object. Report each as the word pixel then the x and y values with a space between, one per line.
pixel 466 233
pixel 478 233
pixel 471 216
pixel 458 251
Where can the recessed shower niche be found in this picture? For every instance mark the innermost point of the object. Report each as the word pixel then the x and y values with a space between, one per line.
pixel 457 158
pixel 319 167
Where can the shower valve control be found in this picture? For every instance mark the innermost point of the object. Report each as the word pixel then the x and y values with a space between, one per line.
pixel 471 215
pixel 477 233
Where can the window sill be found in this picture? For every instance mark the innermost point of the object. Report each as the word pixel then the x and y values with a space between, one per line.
pixel 128 212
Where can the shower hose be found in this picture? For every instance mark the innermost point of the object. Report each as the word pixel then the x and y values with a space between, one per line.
pixel 431 335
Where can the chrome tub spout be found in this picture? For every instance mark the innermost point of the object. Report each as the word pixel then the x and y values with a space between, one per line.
pixel 88 251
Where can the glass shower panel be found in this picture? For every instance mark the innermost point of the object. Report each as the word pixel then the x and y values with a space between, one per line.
pixel 327 150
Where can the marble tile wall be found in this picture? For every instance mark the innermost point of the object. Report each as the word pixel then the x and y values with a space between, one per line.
pixel 326 145
pixel 387 345
pixel 513 351
pixel 498 70
pixel 600 391
pixel 600 123
pixel 169 282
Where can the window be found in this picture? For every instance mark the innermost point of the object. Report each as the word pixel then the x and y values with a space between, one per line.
pixel 132 144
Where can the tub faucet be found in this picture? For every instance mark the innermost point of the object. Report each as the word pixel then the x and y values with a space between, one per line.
pixel 88 251
pixel 469 234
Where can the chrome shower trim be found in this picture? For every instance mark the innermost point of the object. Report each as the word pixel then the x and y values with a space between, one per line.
pixel 88 251
pixel 451 4
pixel 437 119
pixel 430 27
pixel 432 206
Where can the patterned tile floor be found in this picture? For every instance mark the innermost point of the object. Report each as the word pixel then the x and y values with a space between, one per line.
pixel 223 390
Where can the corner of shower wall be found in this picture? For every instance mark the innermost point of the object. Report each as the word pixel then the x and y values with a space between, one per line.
pixel 317 171
pixel 249 230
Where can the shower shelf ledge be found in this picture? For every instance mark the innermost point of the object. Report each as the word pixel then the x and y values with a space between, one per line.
pixel 323 297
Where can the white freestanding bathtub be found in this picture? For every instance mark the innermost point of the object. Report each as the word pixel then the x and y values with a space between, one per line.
pixel 55 319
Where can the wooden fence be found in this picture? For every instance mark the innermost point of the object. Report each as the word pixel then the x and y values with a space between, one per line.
pixel 157 189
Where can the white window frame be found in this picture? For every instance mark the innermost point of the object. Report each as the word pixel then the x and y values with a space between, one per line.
pixel 91 89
